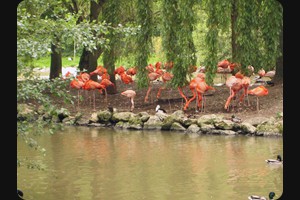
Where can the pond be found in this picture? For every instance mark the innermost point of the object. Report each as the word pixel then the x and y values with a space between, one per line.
pixel 103 163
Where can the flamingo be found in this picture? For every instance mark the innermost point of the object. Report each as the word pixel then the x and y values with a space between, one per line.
pixel 131 94
pixel 77 84
pixel 105 83
pixel 165 77
pixel 258 92
pixel 153 75
pixel 92 85
pixel 126 78
pixel 198 86
pixel 225 67
pixel 119 70
pixel 261 72
pixel 235 84
pixel 99 71
pixel 131 71
pixel 245 84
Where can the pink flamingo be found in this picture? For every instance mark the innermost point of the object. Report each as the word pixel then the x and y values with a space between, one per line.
pixel 131 94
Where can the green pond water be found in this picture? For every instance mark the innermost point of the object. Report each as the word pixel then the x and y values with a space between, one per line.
pixel 107 164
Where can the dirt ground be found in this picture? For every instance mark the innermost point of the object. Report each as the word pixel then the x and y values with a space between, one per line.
pixel 170 100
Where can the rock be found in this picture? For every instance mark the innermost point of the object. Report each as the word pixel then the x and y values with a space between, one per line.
pixel 193 128
pixel 62 113
pixel 135 122
pixel 144 116
pixel 104 116
pixel 254 121
pixel 209 119
pixel 176 126
pixel 162 116
pixel 26 112
pixel 153 122
pixel 271 127
pixel 93 118
pixel 207 128
pixel 222 132
pixel 121 116
pixel 245 128
pixel 224 124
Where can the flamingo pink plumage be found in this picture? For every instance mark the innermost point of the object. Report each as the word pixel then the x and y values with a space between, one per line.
pixel 130 94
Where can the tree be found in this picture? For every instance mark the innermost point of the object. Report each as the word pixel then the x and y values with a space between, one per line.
pixel 178 26
pixel 89 57
pixel 143 40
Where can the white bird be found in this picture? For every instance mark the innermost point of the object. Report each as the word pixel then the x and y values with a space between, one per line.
pixel 159 109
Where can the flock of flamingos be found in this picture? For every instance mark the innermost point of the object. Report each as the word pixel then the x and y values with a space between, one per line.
pixel 236 82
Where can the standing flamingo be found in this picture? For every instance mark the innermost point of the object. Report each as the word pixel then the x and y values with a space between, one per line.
pixel 131 94
pixel 198 86
pixel 105 83
pixel 258 92
pixel 93 85
pixel 165 77
pixel 77 84
pixel 235 85
pixel 153 75
pixel 245 84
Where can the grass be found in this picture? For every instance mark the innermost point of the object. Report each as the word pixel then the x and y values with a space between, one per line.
pixel 45 62
pixel 126 62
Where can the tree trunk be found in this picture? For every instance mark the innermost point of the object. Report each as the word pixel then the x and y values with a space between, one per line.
pixel 88 60
pixel 279 62
pixel 56 62
pixel 233 31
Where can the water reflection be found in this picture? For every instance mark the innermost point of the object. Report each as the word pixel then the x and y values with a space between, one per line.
pixel 100 163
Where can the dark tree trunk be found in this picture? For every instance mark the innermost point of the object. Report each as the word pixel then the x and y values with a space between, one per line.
pixel 279 62
pixel 88 60
pixel 234 46
pixel 56 62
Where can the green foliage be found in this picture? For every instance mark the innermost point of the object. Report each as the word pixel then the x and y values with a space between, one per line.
pixel 143 40
pixel 39 92
pixel 271 25
pixel 111 15
pixel 178 25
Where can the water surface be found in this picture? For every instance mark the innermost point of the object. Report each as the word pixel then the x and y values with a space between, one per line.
pixel 103 163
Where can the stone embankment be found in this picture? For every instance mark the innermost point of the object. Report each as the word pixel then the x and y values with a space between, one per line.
pixel 177 121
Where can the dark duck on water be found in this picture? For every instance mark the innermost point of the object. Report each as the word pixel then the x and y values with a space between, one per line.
pixel 278 160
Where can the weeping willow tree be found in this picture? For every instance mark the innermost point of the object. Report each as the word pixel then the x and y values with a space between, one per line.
pixel 218 20
pixel 271 28
pixel 255 33
pixel 178 26
pixel 111 15
pixel 143 40
pixel 248 34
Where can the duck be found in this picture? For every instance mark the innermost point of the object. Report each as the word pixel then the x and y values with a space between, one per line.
pixel 19 194
pixel 159 109
pixel 256 197
pixel 235 119
pixel 275 161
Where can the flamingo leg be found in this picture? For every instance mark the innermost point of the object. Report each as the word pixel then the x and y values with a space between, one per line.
pixel 229 99
pixel 257 104
pixel 94 98
pixel 181 93
pixel 105 95
pixel 148 91
pixel 203 102
pixel 191 99
pixel 78 98
pixel 197 102
pixel 132 104
pixel 160 89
